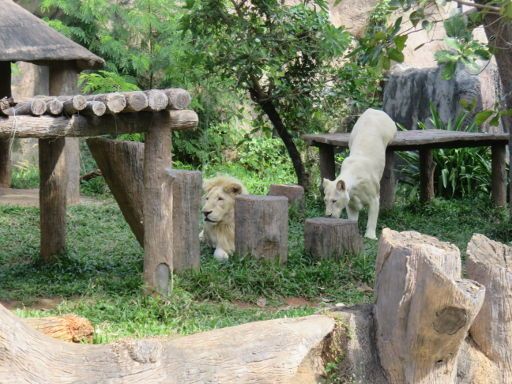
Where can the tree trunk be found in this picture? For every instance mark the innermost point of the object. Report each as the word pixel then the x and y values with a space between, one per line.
pixel 265 352
pixel 331 238
pixel 274 117
pixel 499 34
pixel 423 310
pixel 490 263
pixel 261 227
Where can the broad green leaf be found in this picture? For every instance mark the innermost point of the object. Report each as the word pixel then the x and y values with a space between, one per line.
pixel 396 55
pixel 481 117
pixel 400 42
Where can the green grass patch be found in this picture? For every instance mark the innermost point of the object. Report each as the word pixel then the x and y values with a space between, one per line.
pixel 100 276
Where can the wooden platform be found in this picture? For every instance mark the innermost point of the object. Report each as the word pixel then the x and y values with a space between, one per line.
pixel 424 141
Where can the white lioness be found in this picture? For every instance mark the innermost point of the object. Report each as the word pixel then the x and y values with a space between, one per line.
pixel 219 214
pixel 358 184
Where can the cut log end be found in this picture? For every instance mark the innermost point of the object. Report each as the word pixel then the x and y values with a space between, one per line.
pixel 331 238
pixel 69 327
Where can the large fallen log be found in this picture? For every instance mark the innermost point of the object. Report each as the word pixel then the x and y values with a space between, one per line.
pixel 272 352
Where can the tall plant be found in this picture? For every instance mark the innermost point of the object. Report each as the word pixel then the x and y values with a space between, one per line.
pixel 280 55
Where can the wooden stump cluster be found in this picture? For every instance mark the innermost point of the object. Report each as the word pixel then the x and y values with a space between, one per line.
pixel 294 194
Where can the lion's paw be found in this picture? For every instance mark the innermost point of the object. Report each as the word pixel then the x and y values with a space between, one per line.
pixel 220 255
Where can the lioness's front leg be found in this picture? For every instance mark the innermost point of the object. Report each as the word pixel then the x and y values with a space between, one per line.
pixel 373 214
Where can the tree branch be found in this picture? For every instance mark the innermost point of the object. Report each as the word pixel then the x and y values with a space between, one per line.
pixel 484 7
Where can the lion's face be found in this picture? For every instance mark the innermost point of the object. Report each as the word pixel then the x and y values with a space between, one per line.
pixel 335 196
pixel 219 202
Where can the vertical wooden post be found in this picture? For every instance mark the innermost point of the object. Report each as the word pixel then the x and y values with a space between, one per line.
pixel 52 197
pixel 427 167
pixel 327 169
pixel 63 81
pixel 5 161
pixel 499 176
pixel 387 183
pixel 158 263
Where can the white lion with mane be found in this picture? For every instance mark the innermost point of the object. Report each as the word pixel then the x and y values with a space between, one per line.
pixel 219 214
pixel 358 184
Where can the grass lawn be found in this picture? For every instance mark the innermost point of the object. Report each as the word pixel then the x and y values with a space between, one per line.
pixel 100 276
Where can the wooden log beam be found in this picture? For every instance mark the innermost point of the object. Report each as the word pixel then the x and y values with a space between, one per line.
pixel 34 107
pixel 95 108
pixel 274 351
pixel 83 126
pixel 52 197
pixel 115 102
pixel 135 101
pixel 157 206
pixel 178 98
pixel 121 163
pixel 490 263
pixel 157 100
pixel 388 182
pixel 427 167
pixel 499 175
pixel 261 227
pixel 63 81
pixel 423 310
pixel 73 104
pixel 54 106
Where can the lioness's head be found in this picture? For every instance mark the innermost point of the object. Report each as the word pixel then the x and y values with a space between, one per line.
pixel 335 196
pixel 219 198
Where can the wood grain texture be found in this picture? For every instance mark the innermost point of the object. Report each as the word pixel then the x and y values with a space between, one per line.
pixel 490 263
pixel 53 181
pixel 157 208
pixel 427 167
pixel 71 328
pixel 423 310
pixel 186 191
pixel 326 238
pixel 499 175
pixel 294 193
pixel 265 352
pixel 135 101
pixel 261 227
pixel 63 82
pixel 115 101
pixel 54 106
pixel 388 182
pixel 178 98
pixel 83 126
pixel 409 140
pixel 94 108
pixel 121 164
pixel 157 100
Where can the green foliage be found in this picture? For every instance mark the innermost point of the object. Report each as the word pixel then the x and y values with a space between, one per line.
pixel 459 172
pixel 25 175
pixel 106 81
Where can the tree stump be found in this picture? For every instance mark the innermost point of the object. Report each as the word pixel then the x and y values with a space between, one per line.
pixel 187 191
pixel 294 193
pixel 326 238
pixel 261 227
pixel 70 327
pixel 490 263
pixel 424 309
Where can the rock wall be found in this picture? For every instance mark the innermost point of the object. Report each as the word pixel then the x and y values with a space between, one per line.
pixel 408 94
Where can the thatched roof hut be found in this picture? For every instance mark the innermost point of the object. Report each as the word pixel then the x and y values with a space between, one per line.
pixel 24 37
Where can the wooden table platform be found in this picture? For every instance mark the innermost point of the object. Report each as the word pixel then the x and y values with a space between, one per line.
pixel 424 141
